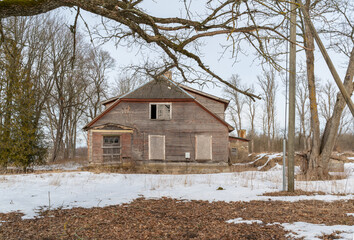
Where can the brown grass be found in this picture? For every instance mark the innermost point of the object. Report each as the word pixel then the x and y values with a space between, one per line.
pixel 173 219
pixel 295 193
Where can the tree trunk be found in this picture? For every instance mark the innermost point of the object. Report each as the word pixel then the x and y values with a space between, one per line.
pixel 314 166
pixel 321 149
pixel 331 129
pixel 58 137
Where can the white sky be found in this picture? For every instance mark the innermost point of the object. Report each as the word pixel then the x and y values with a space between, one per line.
pixel 247 67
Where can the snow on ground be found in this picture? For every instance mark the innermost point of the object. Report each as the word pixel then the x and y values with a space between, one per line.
pixel 308 231
pixel 270 157
pixel 311 231
pixel 29 193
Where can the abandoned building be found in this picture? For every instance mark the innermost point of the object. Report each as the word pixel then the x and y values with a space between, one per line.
pixel 161 122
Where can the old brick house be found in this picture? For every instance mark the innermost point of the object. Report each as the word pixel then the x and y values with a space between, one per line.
pixel 160 122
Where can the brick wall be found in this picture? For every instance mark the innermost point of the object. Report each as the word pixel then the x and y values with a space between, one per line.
pixel 96 144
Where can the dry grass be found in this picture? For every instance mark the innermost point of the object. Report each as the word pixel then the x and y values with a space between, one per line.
pixel 332 236
pixel 173 219
pixel 295 193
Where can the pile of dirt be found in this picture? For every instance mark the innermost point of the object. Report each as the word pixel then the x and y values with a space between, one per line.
pixel 174 219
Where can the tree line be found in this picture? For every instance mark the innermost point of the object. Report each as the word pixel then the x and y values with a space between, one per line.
pixel 261 119
pixel 49 84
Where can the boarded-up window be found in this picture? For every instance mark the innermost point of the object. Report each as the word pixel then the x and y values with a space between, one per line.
pixel 203 145
pixel 156 147
pixel 111 148
pixel 160 111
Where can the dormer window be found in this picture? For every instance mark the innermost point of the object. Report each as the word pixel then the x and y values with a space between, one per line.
pixel 160 111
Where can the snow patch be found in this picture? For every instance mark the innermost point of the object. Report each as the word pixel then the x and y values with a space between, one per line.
pixel 240 220
pixel 349 167
pixel 270 157
pixel 259 156
pixel 307 231
pixel 311 231
pixel 277 167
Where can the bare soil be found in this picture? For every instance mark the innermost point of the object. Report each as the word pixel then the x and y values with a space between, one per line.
pixel 175 219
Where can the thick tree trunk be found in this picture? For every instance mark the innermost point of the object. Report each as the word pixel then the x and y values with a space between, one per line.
pixel 331 129
pixel 314 168
pixel 321 149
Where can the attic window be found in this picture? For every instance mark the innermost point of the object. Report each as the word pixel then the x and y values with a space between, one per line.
pixel 160 111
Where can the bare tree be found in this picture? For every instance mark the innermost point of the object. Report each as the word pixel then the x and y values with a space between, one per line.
pixel 237 101
pixel 68 98
pixel 100 62
pixel 180 38
pixel 251 113
pixel 269 88
pixel 302 107
pixel 126 82
pixel 326 99
pixel 322 146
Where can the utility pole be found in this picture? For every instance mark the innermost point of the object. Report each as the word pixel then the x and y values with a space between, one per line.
pixel 292 89
pixel 286 104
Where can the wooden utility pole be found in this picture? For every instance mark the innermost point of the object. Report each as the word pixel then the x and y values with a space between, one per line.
pixel 292 89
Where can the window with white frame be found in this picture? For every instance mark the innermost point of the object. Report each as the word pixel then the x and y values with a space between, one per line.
pixel 160 111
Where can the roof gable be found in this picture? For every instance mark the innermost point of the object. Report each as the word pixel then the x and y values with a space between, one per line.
pixel 159 88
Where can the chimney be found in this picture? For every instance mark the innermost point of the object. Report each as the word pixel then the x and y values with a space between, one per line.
pixel 242 133
pixel 168 74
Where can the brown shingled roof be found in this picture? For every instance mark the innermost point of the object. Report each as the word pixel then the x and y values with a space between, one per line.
pixel 158 89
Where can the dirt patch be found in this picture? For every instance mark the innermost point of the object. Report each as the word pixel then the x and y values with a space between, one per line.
pixel 11 217
pixel 332 236
pixel 175 219
pixel 302 177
